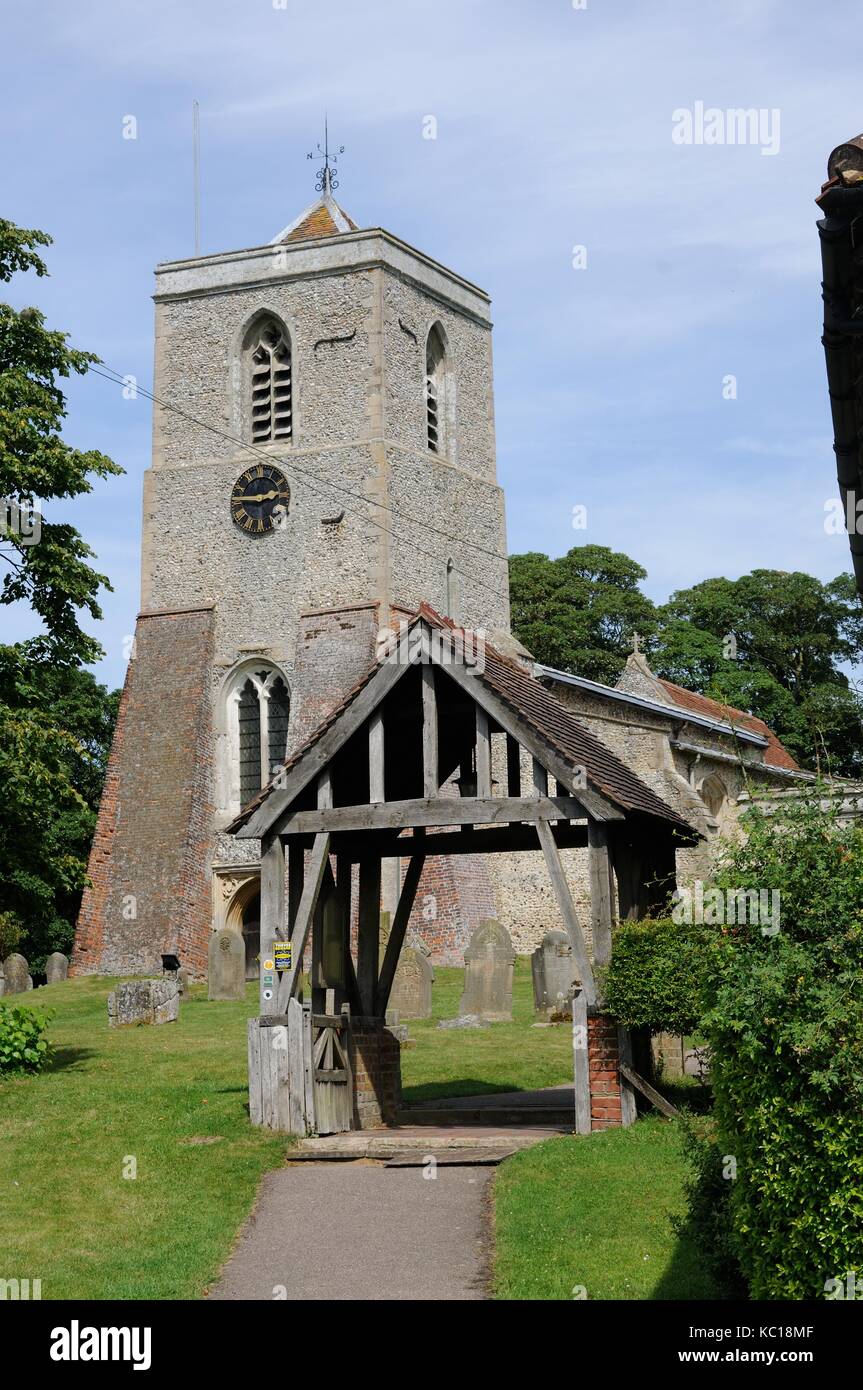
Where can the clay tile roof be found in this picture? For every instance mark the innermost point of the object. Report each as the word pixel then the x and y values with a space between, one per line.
pixel 551 720
pixel 319 222
pixel 775 754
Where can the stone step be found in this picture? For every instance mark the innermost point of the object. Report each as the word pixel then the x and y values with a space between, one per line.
pixel 384 1145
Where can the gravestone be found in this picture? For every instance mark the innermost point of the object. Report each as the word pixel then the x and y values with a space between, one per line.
pixel 489 959
pixel 56 968
pixel 411 994
pixel 667 1051
pixel 226 965
pixel 144 1001
pixel 17 974
pixel 554 973
pixel 183 980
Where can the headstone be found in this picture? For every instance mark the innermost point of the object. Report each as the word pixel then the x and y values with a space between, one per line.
pixel 411 994
pixel 183 980
pixel 489 959
pixel 56 968
pixel 226 965
pixel 668 1054
pixel 17 974
pixel 144 1001
pixel 554 974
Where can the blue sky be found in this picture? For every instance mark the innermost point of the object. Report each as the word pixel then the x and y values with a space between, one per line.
pixel 554 130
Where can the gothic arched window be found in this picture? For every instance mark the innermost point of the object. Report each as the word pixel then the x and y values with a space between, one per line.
pixel 258 710
pixel 713 793
pixel 435 391
pixel 269 355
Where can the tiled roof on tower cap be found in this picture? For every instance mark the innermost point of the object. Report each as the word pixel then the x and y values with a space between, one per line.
pixel 775 754
pixel 536 705
pixel 323 218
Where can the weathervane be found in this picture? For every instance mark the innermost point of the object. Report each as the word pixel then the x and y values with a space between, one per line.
pixel 326 180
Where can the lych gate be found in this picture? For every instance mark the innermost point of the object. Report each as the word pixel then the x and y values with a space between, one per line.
pixel 368 786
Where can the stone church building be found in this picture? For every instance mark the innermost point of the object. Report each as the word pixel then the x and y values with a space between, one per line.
pixel 324 464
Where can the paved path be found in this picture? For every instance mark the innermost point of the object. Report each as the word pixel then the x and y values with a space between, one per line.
pixel 361 1231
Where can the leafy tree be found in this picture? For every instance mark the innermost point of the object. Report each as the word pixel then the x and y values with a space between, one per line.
pixel 55 720
pixel 774 644
pixel 580 611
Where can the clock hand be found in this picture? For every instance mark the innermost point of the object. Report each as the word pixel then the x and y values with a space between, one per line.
pixel 260 496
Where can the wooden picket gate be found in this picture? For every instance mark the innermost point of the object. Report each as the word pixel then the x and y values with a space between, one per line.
pixel 331 1056
pixel 300 1079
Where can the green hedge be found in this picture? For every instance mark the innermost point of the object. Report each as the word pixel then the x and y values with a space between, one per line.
pixel 785 1032
pixel 655 978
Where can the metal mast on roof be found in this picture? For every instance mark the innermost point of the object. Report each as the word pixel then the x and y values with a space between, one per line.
pixel 326 180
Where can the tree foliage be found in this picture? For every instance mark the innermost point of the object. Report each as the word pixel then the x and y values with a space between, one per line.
pixel 777 645
pixel 55 719
pixel 579 612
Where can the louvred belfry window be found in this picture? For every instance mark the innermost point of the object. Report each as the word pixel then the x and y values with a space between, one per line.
pixel 434 391
pixel 272 399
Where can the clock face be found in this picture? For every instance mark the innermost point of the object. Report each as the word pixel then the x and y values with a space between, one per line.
pixel 259 500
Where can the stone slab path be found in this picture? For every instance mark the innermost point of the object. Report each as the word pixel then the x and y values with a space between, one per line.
pixel 379 1234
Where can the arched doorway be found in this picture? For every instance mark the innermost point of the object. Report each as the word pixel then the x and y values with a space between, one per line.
pixel 252 935
pixel 243 915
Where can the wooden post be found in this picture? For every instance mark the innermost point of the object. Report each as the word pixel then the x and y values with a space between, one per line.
pixel 581 1064
pixel 311 891
pixel 272 916
pixel 483 754
pixel 376 757
pixel 628 1111
pixel 540 779
pixel 430 732
pixel 513 766
pixel 397 934
pixel 567 908
pixel 369 933
pixel 601 891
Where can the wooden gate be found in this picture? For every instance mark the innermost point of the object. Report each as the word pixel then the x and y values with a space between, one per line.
pixel 331 1070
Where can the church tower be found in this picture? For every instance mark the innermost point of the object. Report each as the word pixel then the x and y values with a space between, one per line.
pixel 323 462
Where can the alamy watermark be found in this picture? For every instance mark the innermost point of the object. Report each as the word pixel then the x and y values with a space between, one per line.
pixel 727 907
pixel 710 125
pixel 20 519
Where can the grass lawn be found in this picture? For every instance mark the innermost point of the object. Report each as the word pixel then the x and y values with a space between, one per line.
pixel 469 1061
pixel 594 1212
pixel 67 1215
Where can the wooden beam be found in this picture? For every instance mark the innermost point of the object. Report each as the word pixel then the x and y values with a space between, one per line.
pixel 513 766
pixel 321 752
pixel 483 755
pixel 443 810
pixel 540 778
pixel 369 933
pixel 598 805
pixel 601 891
pixel 272 916
pixel 376 757
pixel 567 909
pixel 397 932
pixel 305 912
pixel 430 732
pixel 663 1106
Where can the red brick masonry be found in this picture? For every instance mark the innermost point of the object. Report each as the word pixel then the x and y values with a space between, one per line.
pixel 150 888
pixel 603 1060
pixel 376 1064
